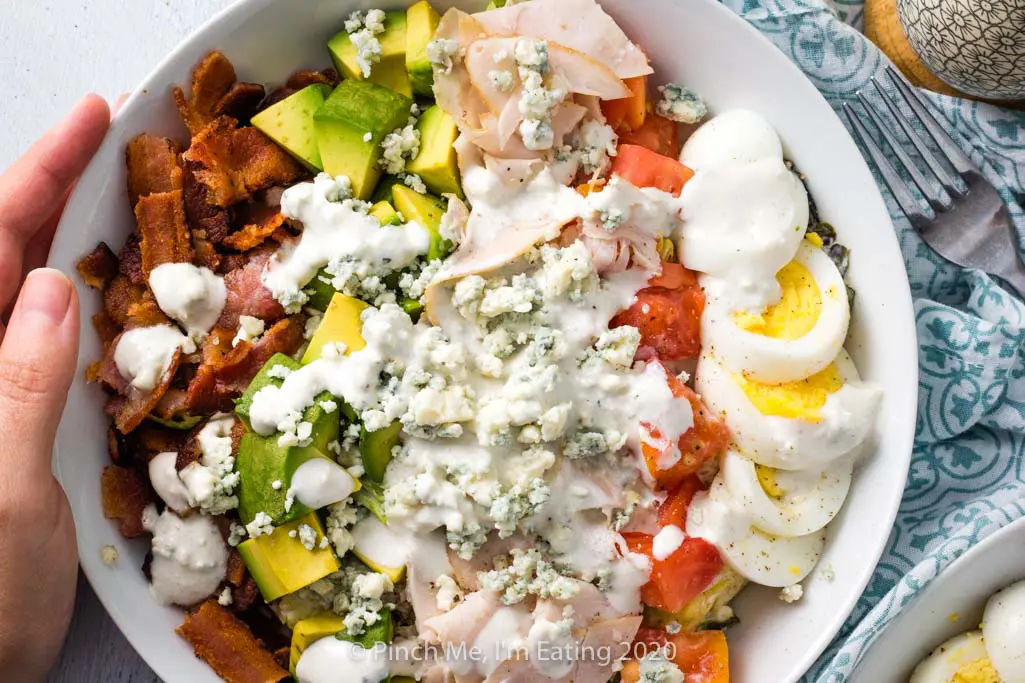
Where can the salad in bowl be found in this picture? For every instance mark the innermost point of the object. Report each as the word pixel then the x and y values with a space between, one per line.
pixel 481 356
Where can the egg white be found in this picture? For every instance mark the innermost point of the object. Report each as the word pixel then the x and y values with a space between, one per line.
pixel 1003 626
pixel 792 443
pixel 810 500
pixel 941 665
pixel 771 360
pixel 757 556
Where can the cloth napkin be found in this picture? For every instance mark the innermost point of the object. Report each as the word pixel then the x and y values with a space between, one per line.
pixel 967 475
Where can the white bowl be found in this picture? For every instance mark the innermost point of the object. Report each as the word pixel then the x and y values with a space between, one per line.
pixel 951 604
pixel 697 42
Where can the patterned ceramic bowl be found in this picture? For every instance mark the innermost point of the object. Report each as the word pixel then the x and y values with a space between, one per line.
pixel 976 46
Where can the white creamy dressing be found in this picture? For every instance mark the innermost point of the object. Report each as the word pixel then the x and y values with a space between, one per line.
pixel 163 475
pixel 666 542
pixel 335 228
pixel 191 295
pixel 144 354
pixel 319 482
pixel 744 211
pixel 330 660
pixel 210 481
pixel 190 558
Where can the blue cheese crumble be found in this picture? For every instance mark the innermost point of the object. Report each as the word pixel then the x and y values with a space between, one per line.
pixel 680 104
pixel 656 668
pixel 502 79
pixel 363 29
pixel 528 573
pixel 442 53
pixel 398 147
pixel 262 525
pixel 536 100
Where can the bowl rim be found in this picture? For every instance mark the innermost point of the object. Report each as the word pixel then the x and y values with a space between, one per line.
pixel 221 22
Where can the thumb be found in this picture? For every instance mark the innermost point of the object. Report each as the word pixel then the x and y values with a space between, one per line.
pixel 38 357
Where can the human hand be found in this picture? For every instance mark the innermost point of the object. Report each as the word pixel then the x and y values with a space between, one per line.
pixel 38 357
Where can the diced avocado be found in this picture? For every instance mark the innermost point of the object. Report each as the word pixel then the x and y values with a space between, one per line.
pixel 421 23
pixel 436 164
pixel 290 123
pixel 426 210
pixel 350 127
pixel 382 193
pixel 385 213
pixel 281 564
pixel 376 447
pixel 495 4
pixel 320 292
pixel 371 496
pixel 262 379
pixel 261 462
pixel 381 631
pixel 341 323
pixel 413 307
pixel 310 630
pixel 380 548
pixel 391 70
pixel 326 424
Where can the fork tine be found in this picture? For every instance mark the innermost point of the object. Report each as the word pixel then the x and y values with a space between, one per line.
pixel 940 202
pixel 943 170
pixel 907 202
pixel 952 152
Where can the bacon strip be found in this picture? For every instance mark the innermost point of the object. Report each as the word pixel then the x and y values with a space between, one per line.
pixel 212 80
pixel 239 161
pixel 165 236
pixel 247 295
pixel 98 267
pixel 129 305
pixel 130 413
pixel 225 643
pixel 153 166
pixel 255 234
pixel 241 101
pixel 129 261
pixel 125 494
pixel 201 215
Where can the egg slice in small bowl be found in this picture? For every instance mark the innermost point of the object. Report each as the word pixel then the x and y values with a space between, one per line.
pixel 795 337
pixel 798 425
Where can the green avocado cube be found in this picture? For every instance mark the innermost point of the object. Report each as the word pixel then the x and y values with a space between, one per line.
pixel 350 127
pixel 384 212
pixel 421 23
pixel 426 210
pixel 436 164
pixel 390 71
pixel 261 462
pixel 280 564
pixel 310 630
pixel 382 193
pixel 381 631
pixel 376 449
pixel 262 379
pixel 319 291
pixel 290 123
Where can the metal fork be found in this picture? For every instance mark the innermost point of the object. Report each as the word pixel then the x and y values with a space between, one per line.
pixel 965 220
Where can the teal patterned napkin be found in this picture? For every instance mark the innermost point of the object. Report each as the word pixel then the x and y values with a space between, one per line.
pixel 967 474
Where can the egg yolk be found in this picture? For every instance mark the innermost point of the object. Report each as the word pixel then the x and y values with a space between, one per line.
pixel 800 400
pixel 767 478
pixel 796 312
pixel 979 671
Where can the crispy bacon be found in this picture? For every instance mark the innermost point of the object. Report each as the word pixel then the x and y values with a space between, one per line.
pixel 207 255
pixel 130 413
pixel 165 235
pixel 226 372
pixel 241 101
pixel 106 329
pixel 225 643
pixel 244 595
pixel 212 80
pixel 125 494
pixel 99 267
pixel 247 295
pixel 129 261
pixel 201 215
pixel 307 77
pixel 255 234
pixel 153 166
pixel 239 161
pixel 236 568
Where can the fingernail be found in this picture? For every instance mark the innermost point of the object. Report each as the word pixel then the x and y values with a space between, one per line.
pixel 48 292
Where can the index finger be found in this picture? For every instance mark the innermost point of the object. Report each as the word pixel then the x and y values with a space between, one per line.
pixel 33 187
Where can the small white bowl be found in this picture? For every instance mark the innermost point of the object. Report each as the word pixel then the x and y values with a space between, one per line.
pixel 697 42
pixel 951 604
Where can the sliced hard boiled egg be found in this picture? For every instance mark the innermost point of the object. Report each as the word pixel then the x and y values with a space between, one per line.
pixel 794 338
pixel 786 503
pixel 758 556
pixel 381 548
pixel 960 654
pixel 1003 625
pixel 797 425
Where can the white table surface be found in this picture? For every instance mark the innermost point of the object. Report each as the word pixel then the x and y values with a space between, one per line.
pixel 55 51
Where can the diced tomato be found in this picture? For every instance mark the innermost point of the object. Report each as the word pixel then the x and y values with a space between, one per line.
pixel 644 168
pixel 673 511
pixel 628 113
pixel 677 579
pixel 668 314
pixel 703 656
pixel 658 134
